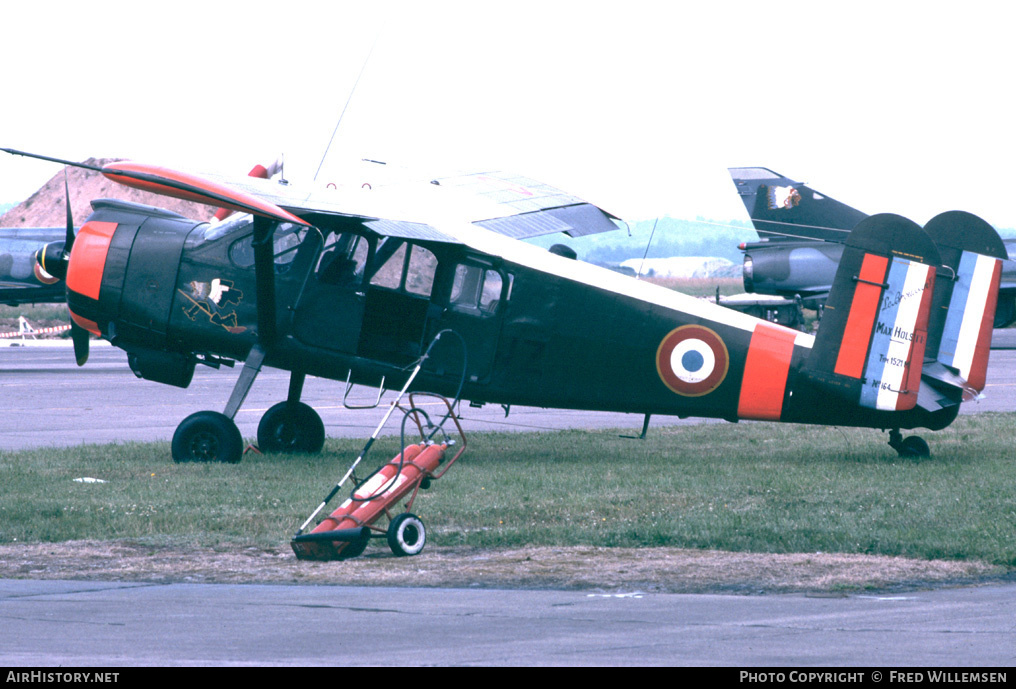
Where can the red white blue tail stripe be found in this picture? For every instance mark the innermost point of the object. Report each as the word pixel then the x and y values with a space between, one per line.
pixel 966 335
pixel 893 368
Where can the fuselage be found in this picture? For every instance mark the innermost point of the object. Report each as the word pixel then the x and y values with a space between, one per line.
pixel 526 327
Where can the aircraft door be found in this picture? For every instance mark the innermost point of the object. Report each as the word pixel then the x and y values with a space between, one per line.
pixel 479 294
pixel 397 302
pixel 331 308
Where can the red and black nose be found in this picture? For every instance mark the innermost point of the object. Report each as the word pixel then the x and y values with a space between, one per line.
pixel 85 268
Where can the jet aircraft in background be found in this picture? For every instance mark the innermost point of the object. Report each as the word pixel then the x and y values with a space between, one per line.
pixel 23 280
pixel 802 234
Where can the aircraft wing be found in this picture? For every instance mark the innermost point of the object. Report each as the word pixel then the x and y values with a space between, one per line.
pixel 527 208
pixel 16 294
pixel 514 206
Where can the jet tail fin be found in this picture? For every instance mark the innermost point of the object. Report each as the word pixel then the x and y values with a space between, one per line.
pixel 871 346
pixel 963 308
pixel 780 207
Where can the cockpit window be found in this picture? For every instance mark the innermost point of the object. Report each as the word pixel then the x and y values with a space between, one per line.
pixel 241 252
pixel 286 240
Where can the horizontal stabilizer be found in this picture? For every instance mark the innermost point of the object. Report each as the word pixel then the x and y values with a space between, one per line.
pixel 963 309
pixel 870 348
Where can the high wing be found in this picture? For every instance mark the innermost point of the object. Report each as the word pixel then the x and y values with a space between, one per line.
pixel 511 205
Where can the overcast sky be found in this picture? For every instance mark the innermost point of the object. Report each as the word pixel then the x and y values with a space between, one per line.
pixel 640 107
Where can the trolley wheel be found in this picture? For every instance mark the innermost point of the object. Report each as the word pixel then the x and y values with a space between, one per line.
pixel 207 436
pixel 290 428
pixel 406 534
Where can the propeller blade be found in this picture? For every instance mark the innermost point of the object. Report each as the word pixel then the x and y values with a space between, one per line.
pixel 80 337
pixel 53 257
pixel 69 241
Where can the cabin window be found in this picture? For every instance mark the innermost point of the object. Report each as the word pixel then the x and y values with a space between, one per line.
pixel 390 273
pixel 420 275
pixel 477 290
pixel 343 260
pixel 411 269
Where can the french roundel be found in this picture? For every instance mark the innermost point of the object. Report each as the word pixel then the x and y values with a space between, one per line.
pixel 692 360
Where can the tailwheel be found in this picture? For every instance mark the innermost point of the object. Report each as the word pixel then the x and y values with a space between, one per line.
pixel 911 446
pixel 406 534
pixel 291 427
pixel 207 436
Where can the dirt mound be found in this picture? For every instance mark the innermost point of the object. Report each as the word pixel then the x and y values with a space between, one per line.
pixel 45 208
pixel 669 570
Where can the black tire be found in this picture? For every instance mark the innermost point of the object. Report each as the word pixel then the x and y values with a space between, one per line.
pixel 406 535
pixel 914 446
pixel 291 428
pixel 207 436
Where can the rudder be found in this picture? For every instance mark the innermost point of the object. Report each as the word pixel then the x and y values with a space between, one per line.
pixel 963 309
pixel 871 346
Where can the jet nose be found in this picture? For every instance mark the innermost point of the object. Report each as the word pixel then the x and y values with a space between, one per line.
pixel 50 263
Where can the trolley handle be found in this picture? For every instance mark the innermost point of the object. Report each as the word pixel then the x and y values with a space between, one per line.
pixel 451 415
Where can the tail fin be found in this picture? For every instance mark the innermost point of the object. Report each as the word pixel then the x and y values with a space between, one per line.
pixel 870 348
pixel 781 207
pixel 963 309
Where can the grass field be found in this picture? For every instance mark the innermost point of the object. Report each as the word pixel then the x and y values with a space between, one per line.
pixel 748 487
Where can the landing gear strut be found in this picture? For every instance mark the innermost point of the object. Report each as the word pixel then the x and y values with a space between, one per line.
pixel 911 446
pixel 289 426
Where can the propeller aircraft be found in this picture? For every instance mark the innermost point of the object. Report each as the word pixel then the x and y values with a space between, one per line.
pixel 356 285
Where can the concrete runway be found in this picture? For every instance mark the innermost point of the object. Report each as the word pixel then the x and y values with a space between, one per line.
pixel 49 623
pixel 49 401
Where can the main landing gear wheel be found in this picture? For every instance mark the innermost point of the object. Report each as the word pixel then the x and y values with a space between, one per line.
pixel 291 427
pixel 406 534
pixel 207 436
pixel 911 446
